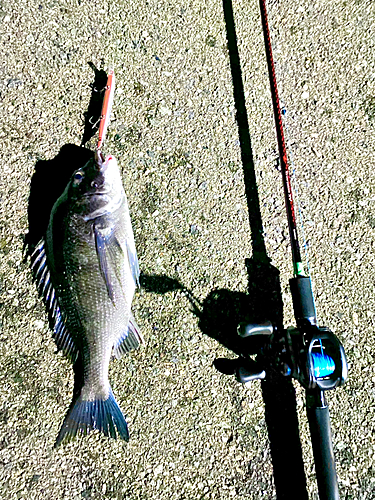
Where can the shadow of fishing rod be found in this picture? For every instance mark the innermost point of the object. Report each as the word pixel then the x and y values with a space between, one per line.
pixel 223 310
pixel 265 303
pixel 219 315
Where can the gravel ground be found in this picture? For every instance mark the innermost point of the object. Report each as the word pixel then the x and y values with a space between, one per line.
pixel 195 433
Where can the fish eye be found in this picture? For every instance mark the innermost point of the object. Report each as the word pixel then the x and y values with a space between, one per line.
pixel 94 184
pixel 78 176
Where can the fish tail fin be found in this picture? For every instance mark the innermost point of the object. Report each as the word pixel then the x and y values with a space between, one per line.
pixel 85 416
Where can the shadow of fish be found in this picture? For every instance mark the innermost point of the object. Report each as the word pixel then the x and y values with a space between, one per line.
pixel 86 269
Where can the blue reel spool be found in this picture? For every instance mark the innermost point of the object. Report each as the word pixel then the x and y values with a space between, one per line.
pixel 323 364
pixel 326 362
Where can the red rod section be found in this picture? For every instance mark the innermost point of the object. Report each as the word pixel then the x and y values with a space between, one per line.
pixel 296 253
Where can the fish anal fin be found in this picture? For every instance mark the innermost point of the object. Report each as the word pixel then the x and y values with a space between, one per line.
pixel 130 339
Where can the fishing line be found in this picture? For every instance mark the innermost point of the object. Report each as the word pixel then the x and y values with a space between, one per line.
pixel 295 185
pixel 298 268
pixel 296 252
pixel 311 354
pixel 283 117
pixel 296 191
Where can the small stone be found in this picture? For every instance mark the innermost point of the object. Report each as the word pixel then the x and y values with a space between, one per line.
pixel 340 445
pixel 355 319
pixel 158 469
pixel 86 493
pixel 39 324
pixel 165 111
pixel 305 95
pixel 14 83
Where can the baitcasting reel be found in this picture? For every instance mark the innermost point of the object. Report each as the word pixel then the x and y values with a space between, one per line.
pixel 311 354
pixel 315 357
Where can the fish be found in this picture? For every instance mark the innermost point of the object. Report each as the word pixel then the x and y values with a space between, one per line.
pixel 86 270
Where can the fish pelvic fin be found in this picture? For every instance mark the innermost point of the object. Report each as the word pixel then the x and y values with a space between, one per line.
pixel 85 416
pixel 129 340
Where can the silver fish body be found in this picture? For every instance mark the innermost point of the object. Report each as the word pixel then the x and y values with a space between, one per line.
pixel 92 272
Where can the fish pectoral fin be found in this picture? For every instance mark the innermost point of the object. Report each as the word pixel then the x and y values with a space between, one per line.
pixel 110 253
pixel 56 316
pixel 104 257
pixel 130 339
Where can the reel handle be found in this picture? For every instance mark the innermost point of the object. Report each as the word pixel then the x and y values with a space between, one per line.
pixel 249 330
pixel 249 370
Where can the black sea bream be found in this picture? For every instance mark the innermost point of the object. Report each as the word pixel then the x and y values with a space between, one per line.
pixel 87 270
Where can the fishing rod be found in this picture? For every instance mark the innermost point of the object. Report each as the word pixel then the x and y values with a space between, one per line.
pixel 309 353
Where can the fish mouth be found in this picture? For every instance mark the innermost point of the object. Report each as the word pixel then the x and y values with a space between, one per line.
pixel 98 182
pixel 96 193
pixel 100 161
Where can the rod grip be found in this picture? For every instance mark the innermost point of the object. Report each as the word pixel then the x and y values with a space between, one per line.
pixel 303 300
pixel 321 439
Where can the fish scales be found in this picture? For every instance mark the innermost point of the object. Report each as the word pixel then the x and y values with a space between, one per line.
pixel 100 320
pixel 92 265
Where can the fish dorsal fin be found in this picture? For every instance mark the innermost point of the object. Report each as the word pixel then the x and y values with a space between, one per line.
pixel 56 316
pixel 130 339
